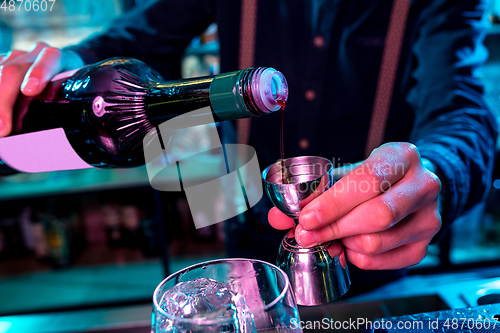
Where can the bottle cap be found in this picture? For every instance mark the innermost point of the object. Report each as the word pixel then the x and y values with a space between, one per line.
pixel 269 89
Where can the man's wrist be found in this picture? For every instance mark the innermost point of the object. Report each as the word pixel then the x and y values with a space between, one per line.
pixel 429 165
pixel 72 60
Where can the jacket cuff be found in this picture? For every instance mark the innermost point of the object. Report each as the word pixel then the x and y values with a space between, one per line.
pixel 88 56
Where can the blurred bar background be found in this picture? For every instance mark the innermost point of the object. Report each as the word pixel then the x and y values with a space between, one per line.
pixel 86 238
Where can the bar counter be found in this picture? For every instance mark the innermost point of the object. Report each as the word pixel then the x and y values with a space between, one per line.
pixel 426 299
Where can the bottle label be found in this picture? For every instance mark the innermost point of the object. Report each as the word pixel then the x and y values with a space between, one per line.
pixel 42 151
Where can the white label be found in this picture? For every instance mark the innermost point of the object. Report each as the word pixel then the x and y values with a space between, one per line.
pixel 42 151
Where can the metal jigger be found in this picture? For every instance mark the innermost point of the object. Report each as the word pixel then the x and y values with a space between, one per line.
pixel 318 274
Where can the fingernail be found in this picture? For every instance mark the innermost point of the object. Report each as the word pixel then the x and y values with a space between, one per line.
pixel 310 219
pixel 305 238
pixel 2 126
pixel 30 85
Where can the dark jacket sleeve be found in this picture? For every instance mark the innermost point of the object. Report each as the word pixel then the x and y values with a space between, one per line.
pixel 156 32
pixel 455 128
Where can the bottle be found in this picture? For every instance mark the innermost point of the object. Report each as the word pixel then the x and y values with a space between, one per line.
pixel 106 109
pixel 59 230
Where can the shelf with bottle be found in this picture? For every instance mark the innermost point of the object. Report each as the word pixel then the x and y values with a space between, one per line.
pixel 91 229
pixel 93 239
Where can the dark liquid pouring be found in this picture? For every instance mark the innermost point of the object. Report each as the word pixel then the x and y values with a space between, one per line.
pixel 282 103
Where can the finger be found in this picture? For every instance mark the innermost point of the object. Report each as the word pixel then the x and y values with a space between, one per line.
pixel 381 213
pixel 26 58
pixel 11 55
pixel 419 226
pixel 335 249
pixel 385 166
pixel 401 257
pixel 344 170
pixel 10 80
pixel 47 64
pixel 278 220
pixel 12 73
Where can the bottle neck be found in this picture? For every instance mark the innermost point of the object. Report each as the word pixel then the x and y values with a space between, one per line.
pixel 247 93
pixel 171 99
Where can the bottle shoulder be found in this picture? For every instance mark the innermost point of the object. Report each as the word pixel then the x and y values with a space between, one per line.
pixel 111 77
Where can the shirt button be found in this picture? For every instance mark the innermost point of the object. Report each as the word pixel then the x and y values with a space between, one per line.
pixel 310 95
pixel 304 143
pixel 319 41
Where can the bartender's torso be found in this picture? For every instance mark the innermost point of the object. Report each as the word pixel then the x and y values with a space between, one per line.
pixel 330 52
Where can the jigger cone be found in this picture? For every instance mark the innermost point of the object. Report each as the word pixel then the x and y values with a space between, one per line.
pixel 319 274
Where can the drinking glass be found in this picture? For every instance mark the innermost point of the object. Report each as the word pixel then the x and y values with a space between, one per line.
pixel 262 299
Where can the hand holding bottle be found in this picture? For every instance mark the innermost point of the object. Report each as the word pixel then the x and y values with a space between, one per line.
pixel 28 73
pixel 100 114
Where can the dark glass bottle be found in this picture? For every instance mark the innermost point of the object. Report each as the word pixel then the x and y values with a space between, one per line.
pixel 106 109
